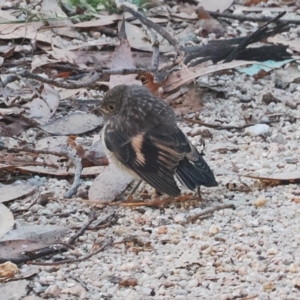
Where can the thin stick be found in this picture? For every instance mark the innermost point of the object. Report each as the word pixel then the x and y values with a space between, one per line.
pixel 70 261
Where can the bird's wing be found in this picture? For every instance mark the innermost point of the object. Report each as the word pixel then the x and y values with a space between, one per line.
pixel 152 155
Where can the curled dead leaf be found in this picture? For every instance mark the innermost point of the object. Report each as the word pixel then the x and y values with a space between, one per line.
pixel 8 269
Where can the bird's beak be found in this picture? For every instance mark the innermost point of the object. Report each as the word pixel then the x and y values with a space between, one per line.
pixel 99 110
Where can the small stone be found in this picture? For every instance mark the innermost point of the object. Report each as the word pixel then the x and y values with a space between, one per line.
pixel 181 292
pixel 128 266
pixel 147 291
pixel 237 226
pixel 214 229
pixel 272 251
pixel 162 230
pixel 180 218
pixel 279 139
pixel 291 160
pixel 296 282
pixel 269 287
pixel 243 271
pixel 53 290
pixel 96 35
pixel 258 129
pixel 76 290
pixel 293 268
pixel 260 202
pixel 193 283
pixel 291 104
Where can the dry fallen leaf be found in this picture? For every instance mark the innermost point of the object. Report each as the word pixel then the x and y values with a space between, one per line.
pixel 74 123
pixel 185 75
pixel 47 234
pixel 102 21
pixel 122 60
pixel 8 269
pixel 62 26
pixel 16 190
pixel 215 5
pixel 6 220
pixel 208 24
pixel 14 289
pixel 12 249
pixel 42 109
pixel 139 40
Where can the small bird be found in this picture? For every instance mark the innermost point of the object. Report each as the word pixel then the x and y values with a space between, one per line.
pixel 142 136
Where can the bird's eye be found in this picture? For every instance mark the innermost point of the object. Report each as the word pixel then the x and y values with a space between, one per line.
pixel 111 107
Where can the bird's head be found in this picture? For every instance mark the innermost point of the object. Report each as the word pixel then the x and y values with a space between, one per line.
pixel 112 101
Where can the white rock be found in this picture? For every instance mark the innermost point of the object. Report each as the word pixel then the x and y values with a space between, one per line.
pixel 180 218
pixel 53 290
pixel 214 229
pixel 193 283
pixel 258 129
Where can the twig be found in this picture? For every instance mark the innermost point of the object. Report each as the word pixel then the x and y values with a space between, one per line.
pixel 251 19
pixel 254 37
pixel 165 34
pixel 210 211
pixel 83 284
pixel 76 159
pixel 97 75
pixel 92 218
pixel 155 49
pixel 70 261
pixel 50 250
pixel 69 85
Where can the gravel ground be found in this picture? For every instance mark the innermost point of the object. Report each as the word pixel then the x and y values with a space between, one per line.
pixel 246 253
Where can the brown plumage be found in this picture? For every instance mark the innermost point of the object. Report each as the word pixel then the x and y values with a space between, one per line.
pixel 141 134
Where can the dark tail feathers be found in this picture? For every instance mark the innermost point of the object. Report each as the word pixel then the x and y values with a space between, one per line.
pixel 194 174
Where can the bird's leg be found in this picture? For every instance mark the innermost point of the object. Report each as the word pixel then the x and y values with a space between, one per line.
pixel 199 194
pixel 130 196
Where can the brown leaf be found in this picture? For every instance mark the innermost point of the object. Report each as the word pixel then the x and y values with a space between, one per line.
pixel 189 101
pixel 7 50
pixel 8 269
